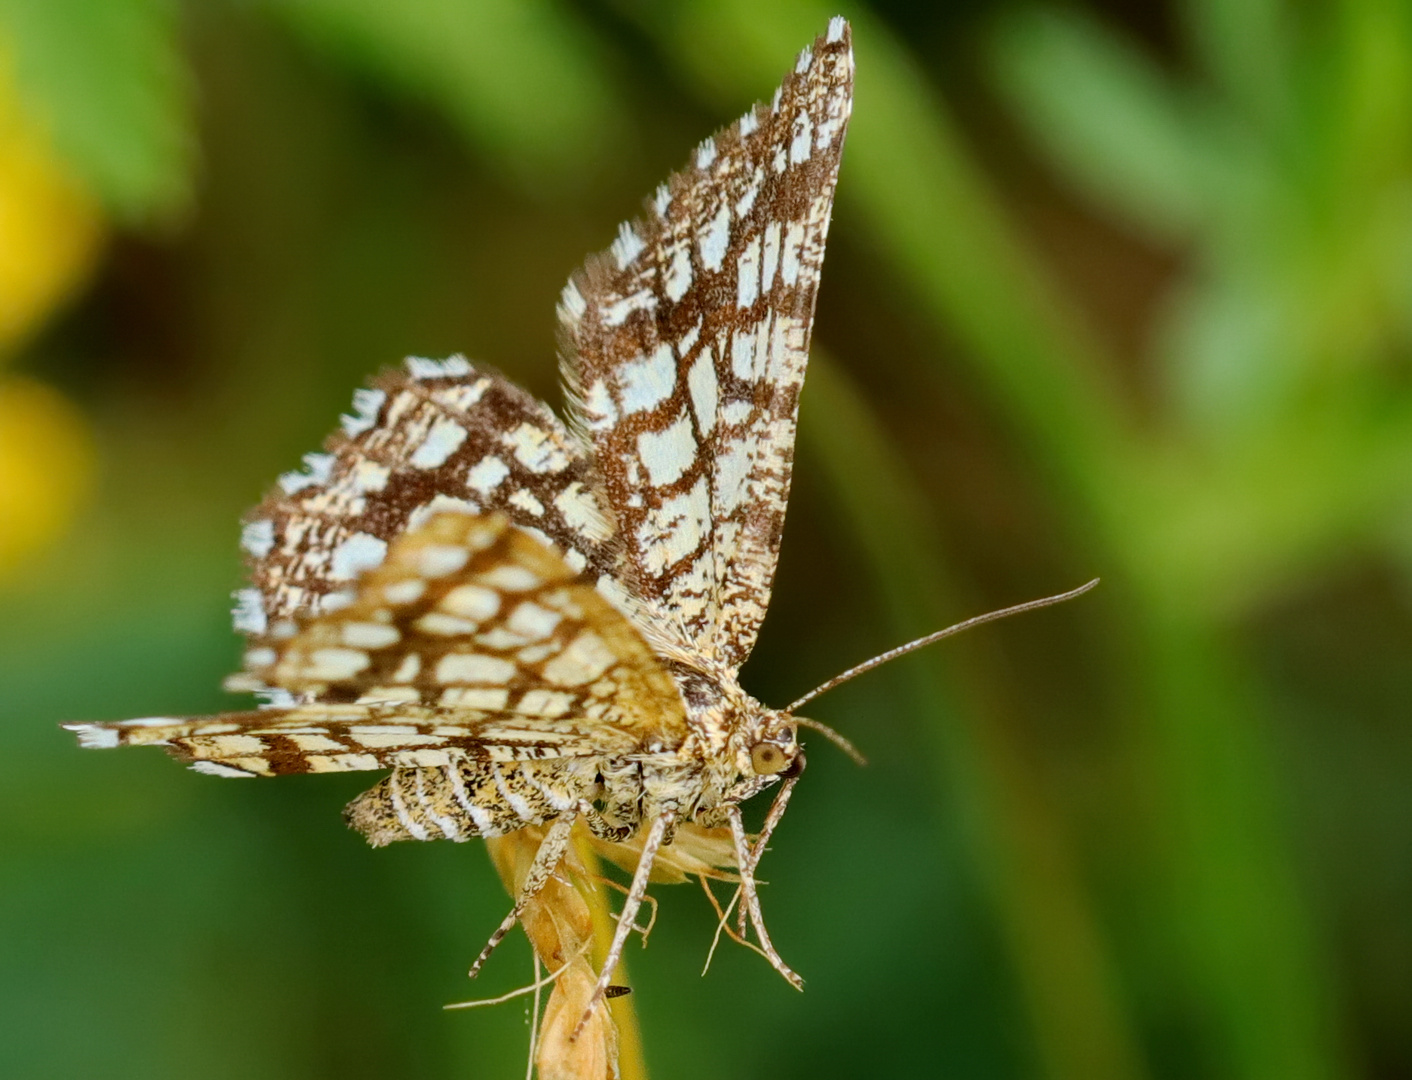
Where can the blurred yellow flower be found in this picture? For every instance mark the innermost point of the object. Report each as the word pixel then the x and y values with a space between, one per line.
pixel 46 461
pixel 50 236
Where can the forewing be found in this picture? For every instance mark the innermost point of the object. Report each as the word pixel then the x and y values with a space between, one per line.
pixel 471 638
pixel 436 435
pixel 684 352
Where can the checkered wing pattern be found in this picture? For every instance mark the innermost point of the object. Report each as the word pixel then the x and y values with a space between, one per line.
pixel 684 350
pixel 436 435
pixel 472 640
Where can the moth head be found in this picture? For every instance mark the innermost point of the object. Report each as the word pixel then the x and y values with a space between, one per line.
pixel 769 748
pixel 770 757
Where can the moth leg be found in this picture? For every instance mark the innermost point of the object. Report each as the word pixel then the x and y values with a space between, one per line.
pixel 546 859
pixel 627 918
pixel 772 819
pixel 599 826
pixel 750 899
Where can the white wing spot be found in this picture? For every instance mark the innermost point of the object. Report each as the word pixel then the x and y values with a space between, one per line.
pixel 771 257
pixel 716 239
pixel 439 504
pixel 705 391
pixel 314 743
pixel 599 412
pixel 461 396
pixel 535 450
pixel 687 341
pixel 510 578
pixel 93 737
pixel 388 695
pixel 317 468
pixel 438 560
pixel 737 412
pixel 367 635
pixel 486 474
pixel 444 625
pixel 473 667
pixel 571 303
pixel 585 659
pixel 747 288
pixel 369 476
pixel 405 591
pixel 527 502
pixel 619 311
pixel 668 453
pixel 361 551
pixel 627 247
pixel 803 141
pixel 533 622
pixel 471 602
pixel 678 279
pixel 366 405
pixel 533 654
pixel 260 658
pixel 746 202
pixel 492 698
pixel 546 703
pixel 498 638
pixel 706 153
pixel 443 440
pixel 743 355
pixel 335 663
pixel 335 601
pixel 258 538
pixel 581 513
pixel 648 381
pixel 419 367
pixel 215 768
pixel 733 475
pixel 675 529
pixel 662 199
pixel 249 614
pixel 789 261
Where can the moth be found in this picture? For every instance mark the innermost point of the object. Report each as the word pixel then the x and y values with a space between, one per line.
pixel 537 622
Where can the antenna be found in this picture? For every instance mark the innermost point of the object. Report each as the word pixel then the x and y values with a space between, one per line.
pixel 922 642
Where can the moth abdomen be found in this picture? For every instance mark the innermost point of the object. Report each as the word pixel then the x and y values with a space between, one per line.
pixel 463 800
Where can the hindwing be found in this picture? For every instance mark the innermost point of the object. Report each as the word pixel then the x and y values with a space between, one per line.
pixel 470 639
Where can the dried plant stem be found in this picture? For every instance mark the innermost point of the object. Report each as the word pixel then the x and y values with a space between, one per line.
pixel 570 924
pixel 632 1064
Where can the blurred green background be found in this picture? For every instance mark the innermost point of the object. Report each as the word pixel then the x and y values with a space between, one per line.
pixel 1114 289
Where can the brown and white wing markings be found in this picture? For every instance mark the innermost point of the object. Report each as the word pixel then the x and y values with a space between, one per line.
pixel 471 639
pixel 319 738
pixel 435 435
pixel 684 352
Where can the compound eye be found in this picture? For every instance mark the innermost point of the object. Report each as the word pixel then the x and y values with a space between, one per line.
pixel 768 759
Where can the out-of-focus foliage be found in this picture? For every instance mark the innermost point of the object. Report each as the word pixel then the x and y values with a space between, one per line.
pixel 108 78
pixel 522 79
pixel 1125 294
pixel 49 227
